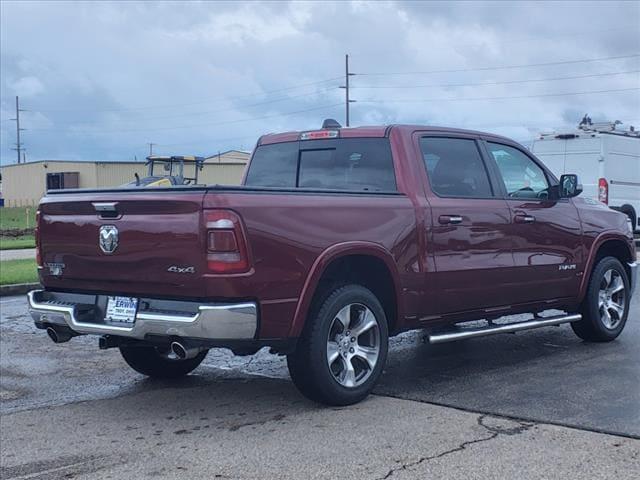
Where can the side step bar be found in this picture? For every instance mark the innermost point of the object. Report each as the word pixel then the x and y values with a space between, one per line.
pixel 461 333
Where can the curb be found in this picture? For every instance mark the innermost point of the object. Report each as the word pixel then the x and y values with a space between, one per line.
pixel 18 289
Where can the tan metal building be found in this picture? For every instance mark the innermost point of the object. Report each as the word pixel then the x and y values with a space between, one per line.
pixel 25 183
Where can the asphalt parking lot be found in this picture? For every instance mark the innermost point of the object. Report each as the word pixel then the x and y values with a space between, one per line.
pixel 538 404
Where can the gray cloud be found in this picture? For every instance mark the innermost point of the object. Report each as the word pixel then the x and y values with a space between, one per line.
pixel 100 80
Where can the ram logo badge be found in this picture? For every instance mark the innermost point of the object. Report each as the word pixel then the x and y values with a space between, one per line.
pixel 177 269
pixel 108 238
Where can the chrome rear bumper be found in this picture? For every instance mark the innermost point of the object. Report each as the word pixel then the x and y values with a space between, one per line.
pixel 81 313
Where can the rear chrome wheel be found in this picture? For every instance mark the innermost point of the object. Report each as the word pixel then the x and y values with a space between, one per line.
pixel 353 345
pixel 342 350
pixel 611 299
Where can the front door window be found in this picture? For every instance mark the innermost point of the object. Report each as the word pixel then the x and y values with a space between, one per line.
pixel 522 177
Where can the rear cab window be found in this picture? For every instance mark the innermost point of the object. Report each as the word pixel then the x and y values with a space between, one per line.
pixel 348 164
pixel 274 166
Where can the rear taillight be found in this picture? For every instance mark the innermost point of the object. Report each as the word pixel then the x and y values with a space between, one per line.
pixel 603 191
pixel 36 232
pixel 226 243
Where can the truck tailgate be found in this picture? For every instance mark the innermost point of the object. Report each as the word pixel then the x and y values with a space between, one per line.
pixel 160 245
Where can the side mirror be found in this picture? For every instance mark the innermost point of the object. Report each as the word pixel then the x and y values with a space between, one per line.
pixel 569 186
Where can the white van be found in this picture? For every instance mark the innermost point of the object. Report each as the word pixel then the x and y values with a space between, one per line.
pixel 606 159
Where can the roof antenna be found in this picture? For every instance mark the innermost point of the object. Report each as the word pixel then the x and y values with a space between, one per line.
pixel 331 123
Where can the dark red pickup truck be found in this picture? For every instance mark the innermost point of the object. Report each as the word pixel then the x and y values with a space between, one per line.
pixel 337 239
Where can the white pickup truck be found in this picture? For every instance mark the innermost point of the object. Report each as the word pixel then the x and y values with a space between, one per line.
pixel 606 159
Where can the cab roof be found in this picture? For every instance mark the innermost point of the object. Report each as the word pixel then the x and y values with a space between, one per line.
pixel 371 131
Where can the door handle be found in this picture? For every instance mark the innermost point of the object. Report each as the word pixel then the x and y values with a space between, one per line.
pixel 524 219
pixel 450 219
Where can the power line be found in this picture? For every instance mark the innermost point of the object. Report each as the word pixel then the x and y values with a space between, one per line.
pixel 506 82
pixel 464 99
pixel 217 99
pixel 209 112
pixel 527 124
pixel 248 119
pixel 505 67
pixel 208 140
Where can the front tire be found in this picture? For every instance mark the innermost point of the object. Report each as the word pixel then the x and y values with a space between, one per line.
pixel 157 363
pixel 343 348
pixel 606 304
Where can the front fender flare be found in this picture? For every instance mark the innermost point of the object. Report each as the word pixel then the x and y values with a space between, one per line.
pixel 591 258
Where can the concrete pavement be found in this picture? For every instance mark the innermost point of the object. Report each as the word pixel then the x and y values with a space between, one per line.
pixel 17 254
pixel 258 428
pixel 72 411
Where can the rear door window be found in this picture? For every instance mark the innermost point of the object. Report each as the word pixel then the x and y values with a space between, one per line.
pixel 455 167
pixel 354 164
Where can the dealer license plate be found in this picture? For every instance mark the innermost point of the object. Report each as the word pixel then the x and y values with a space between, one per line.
pixel 121 309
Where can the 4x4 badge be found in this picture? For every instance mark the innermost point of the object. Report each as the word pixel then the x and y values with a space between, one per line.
pixel 108 238
pixel 177 269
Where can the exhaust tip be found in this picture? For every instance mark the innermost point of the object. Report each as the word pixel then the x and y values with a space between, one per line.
pixel 59 335
pixel 179 350
pixel 53 335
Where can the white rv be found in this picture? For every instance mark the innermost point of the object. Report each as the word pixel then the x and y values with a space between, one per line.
pixel 606 159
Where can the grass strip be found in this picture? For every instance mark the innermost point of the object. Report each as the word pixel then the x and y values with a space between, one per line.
pixel 17 243
pixel 17 217
pixel 18 271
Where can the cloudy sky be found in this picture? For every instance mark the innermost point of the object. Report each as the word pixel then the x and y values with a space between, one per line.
pixel 101 80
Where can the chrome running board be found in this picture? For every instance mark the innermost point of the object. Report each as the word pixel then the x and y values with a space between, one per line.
pixel 461 333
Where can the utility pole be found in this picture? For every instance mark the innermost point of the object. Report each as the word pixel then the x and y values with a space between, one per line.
pixel 18 148
pixel 151 148
pixel 347 74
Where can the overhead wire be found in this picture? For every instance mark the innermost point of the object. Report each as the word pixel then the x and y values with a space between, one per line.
pixel 503 67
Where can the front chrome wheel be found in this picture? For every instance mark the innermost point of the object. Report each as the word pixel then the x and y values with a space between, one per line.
pixel 353 345
pixel 611 299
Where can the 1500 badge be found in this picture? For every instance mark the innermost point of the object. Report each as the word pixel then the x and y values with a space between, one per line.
pixel 569 266
pixel 177 269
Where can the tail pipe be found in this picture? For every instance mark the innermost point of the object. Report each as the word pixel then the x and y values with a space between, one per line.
pixel 184 352
pixel 60 334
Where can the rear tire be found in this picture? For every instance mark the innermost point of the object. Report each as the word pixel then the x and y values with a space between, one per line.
pixel 153 362
pixel 343 348
pixel 606 304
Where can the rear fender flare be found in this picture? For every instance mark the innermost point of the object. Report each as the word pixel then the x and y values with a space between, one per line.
pixel 324 260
